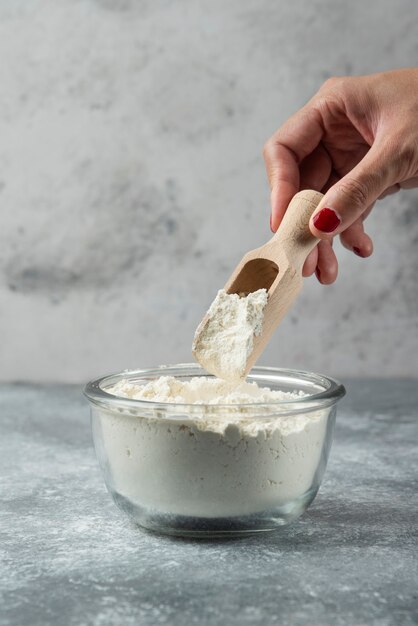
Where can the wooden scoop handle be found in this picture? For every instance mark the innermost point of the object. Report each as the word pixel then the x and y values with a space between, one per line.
pixel 293 235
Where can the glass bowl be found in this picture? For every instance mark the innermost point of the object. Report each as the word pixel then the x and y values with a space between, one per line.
pixel 205 470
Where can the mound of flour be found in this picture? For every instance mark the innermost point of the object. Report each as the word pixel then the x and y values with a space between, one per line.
pixel 224 341
pixel 200 390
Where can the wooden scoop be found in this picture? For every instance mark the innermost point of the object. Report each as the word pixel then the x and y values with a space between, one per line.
pixel 277 267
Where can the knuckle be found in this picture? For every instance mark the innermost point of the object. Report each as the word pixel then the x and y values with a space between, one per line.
pixel 330 82
pixel 335 83
pixel 355 190
pixel 267 149
pixel 400 156
pixel 408 157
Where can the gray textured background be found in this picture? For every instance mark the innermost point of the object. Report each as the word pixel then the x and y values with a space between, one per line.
pixel 132 180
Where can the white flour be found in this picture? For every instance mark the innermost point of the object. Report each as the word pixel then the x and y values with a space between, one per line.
pixel 200 390
pixel 204 465
pixel 224 342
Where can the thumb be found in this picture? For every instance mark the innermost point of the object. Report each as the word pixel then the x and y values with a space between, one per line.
pixel 347 200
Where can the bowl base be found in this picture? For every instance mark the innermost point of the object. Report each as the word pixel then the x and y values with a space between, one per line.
pixel 215 527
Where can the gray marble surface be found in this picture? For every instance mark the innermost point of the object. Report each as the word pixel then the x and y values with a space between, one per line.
pixel 132 180
pixel 70 557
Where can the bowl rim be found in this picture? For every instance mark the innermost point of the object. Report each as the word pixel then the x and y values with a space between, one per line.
pixel 333 392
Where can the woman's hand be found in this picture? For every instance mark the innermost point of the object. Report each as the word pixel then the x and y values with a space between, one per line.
pixel 356 141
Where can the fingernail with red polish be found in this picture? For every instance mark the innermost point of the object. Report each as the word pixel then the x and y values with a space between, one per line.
pixel 327 220
pixel 357 251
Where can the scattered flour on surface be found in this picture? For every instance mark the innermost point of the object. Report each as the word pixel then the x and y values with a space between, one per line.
pixel 225 339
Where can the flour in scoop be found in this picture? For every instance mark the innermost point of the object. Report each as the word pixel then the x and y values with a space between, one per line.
pixel 225 340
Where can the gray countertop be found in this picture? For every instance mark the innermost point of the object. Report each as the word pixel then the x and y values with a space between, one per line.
pixel 69 556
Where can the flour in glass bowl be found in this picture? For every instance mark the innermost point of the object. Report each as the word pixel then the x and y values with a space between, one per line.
pixel 201 390
pixel 210 462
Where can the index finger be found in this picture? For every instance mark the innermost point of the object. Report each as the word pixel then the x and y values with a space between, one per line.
pixel 284 152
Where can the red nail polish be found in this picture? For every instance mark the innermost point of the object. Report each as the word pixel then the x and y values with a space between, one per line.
pixel 326 220
pixel 357 251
